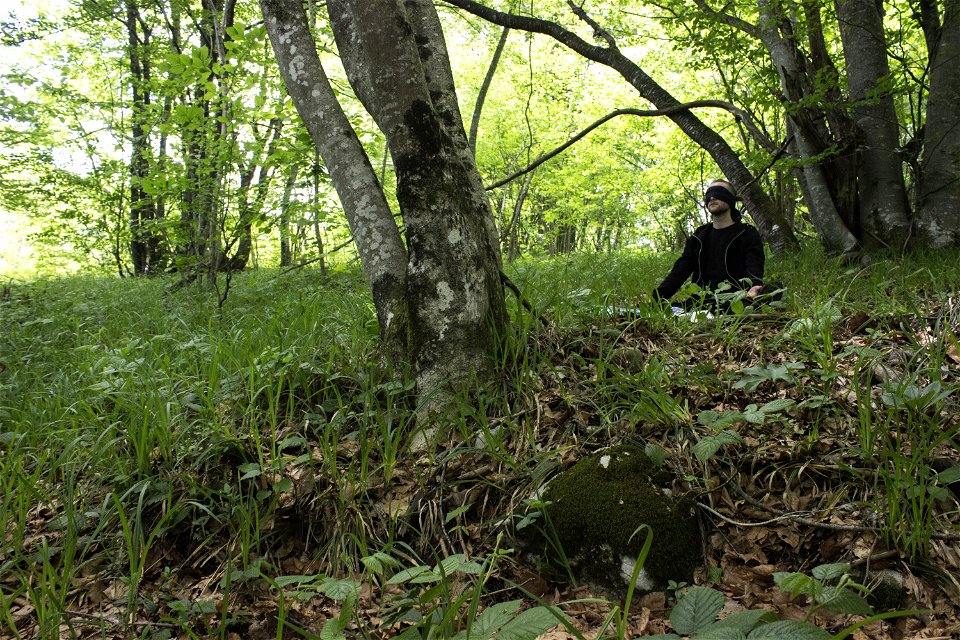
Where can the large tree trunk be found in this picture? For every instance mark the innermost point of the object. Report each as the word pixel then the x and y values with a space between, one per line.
pixel 938 215
pixel 444 287
pixel 396 60
pixel 883 195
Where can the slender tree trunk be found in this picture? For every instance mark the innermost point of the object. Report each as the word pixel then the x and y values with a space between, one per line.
pixel 484 88
pixel 142 210
pixel 382 253
pixel 317 236
pixel 286 253
pixel 883 195
pixel 938 215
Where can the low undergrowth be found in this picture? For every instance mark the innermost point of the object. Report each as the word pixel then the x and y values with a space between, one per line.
pixel 175 469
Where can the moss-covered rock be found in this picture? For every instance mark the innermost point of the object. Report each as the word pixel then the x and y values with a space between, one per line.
pixel 598 504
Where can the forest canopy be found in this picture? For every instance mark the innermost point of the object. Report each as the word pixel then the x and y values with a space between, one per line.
pixel 144 137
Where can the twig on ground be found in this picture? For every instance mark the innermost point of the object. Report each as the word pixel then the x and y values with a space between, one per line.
pixel 78 616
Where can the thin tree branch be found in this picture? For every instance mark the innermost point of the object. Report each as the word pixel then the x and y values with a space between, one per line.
pixel 731 21
pixel 598 31
pixel 740 114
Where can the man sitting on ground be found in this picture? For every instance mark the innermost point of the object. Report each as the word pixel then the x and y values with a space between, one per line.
pixel 723 250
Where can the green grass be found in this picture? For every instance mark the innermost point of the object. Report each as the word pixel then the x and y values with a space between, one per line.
pixel 146 436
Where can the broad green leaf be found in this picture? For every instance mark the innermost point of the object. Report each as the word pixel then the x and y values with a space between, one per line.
pixel 286 581
pixel 721 634
pixel 249 470
pixel 698 608
pixel 827 572
pixel 656 453
pixel 949 476
pixel 796 583
pixel 709 445
pixel 458 563
pixel 530 624
pixel 339 589
pixel 788 630
pixel 377 562
pixel 780 404
pixel 490 621
pixel 333 630
pixel 845 601
pixel 407 574
pixel 742 621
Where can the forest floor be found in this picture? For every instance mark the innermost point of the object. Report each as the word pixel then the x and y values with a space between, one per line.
pixel 796 490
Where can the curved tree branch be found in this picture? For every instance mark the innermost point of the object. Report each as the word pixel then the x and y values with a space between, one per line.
pixel 740 114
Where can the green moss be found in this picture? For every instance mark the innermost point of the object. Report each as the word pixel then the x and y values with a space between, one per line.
pixel 600 502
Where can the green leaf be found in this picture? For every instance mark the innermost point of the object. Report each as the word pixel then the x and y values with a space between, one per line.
pixel 408 574
pixel 788 630
pixel 827 572
pixel 490 621
pixel 656 453
pixel 778 405
pixel 249 470
pixel 456 512
pixel 333 630
pixel 458 563
pixel 709 445
pixel 845 601
pixel 339 589
pixel 698 608
pixel 530 624
pixel 377 562
pixel 741 621
pixel 286 581
pixel 949 476
pixel 721 634
pixel 796 584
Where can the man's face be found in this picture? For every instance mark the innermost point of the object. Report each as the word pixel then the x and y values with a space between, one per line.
pixel 717 207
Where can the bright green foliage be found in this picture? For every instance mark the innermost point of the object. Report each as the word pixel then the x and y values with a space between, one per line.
pixel 829 587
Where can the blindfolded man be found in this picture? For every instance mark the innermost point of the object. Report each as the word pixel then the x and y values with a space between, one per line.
pixel 723 250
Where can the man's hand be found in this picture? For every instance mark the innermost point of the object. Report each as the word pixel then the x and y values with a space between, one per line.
pixel 754 291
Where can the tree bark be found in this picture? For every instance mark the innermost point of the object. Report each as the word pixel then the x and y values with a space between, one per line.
pixel 286 248
pixel 446 282
pixel 484 88
pixel 397 60
pixel 938 215
pixel 381 250
pixel 883 196
pixel 145 251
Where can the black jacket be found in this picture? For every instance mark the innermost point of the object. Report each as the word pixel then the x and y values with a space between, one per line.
pixel 743 260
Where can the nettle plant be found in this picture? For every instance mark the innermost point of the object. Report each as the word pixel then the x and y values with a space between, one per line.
pixel 829 587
